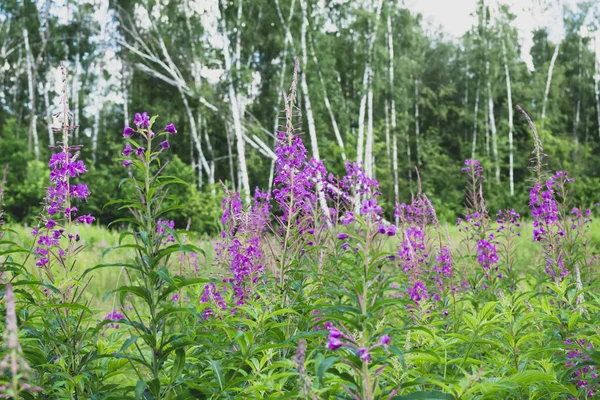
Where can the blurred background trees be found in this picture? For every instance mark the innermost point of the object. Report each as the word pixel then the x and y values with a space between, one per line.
pixel 378 85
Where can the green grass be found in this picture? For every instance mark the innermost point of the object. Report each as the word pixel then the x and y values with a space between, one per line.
pixel 99 240
pixel 100 244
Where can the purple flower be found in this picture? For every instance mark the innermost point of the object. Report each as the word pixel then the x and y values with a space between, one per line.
pixel 170 128
pixel 86 219
pixel 334 343
pixel 385 340
pixel 364 354
pixel 347 218
pixel 140 151
pixel 343 236
pixel 127 163
pixel 165 144
pixel 142 120
pixel 127 131
pixel 128 150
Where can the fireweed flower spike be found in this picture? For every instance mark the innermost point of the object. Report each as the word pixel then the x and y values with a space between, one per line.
pixel 54 241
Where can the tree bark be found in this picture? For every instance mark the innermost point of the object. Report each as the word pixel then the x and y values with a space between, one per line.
pixel 417 125
pixel 510 122
pixel 31 81
pixel 312 131
pixel 475 115
pixel 49 119
pixel 235 111
pixel 549 80
pixel 366 79
pixel 394 132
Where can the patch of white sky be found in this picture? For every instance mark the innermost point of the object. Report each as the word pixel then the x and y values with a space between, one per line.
pixel 456 17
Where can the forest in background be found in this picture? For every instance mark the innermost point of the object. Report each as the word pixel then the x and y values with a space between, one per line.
pixel 376 86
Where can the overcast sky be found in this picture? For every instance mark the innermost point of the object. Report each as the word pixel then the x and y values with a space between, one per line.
pixel 455 17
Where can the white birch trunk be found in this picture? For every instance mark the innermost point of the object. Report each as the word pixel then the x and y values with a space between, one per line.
pixel 417 126
pixel 394 133
pixel 32 133
pixel 597 91
pixel 336 130
pixel 366 80
pixel 312 131
pixel 95 133
pixel 388 145
pixel 475 121
pixel 510 122
pixel 49 119
pixel 578 107
pixel 407 139
pixel 125 88
pixel 235 111
pixel 369 144
pixel 492 120
pixel 75 96
pixel 549 80
pixel 230 156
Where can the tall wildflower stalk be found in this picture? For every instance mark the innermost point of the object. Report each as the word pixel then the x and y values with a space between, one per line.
pixel 298 184
pixel 558 226
pixel 150 311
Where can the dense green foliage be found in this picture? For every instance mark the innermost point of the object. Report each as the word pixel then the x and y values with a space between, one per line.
pixel 439 76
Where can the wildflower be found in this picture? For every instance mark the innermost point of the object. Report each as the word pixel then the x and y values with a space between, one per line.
pixel 142 120
pixel 170 128
pixel 343 236
pixel 165 144
pixel 385 340
pixel 364 354
pixel 128 150
pixel 86 219
pixel 127 132
pixel 127 163
pixel 140 151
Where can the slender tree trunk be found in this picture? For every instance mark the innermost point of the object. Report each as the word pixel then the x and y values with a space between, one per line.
pixel 235 111
pixel 597 88
pixel 75 95
pixel 549 80
pixel 202 163
pixel 95 133
pixel 230 156
pixel 336 130
pixel 510 122
pixel 125 88
pixel 466 99
pixel 475 123
pixel 31 80
pixel 577 107
pixel 312 131
pixel 366 80
pixel 288 41
pixel 369 144
pixel 417 126
pixel 492 120
pixel 48 112
pixel 406 128
pixel 394 132
pixel 388 145
pixel 487 133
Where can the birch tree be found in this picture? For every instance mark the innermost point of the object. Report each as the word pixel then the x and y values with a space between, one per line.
pixel 510 121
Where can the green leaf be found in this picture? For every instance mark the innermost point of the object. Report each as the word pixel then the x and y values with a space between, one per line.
pixel 140 386
pixel 325 365
pixel 178 364
pixel 433 395
pixel 217 371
